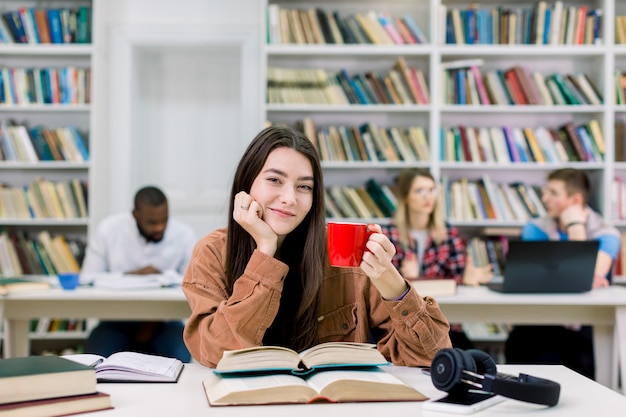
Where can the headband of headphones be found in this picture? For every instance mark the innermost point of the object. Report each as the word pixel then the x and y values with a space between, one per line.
pixel 524 388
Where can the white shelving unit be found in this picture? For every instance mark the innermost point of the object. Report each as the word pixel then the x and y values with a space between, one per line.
pixel 49 115
pixel 129 22
pixel 597 61
pixel 18 55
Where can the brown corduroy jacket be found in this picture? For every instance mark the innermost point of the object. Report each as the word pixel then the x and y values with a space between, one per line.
pixel 411 330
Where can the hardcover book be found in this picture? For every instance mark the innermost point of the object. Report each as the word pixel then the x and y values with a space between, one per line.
pixel 329 386
pixel 59 406
pixel 277 358
pixel 40 377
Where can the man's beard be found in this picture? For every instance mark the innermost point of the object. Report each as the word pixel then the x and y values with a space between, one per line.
pixel 150 238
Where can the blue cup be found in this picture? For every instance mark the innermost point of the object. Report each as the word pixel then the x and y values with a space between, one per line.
pixel 69 280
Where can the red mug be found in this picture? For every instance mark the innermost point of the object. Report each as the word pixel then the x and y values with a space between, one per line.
pixel 346 243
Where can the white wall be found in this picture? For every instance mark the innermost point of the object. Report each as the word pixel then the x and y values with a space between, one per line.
pixel 176 100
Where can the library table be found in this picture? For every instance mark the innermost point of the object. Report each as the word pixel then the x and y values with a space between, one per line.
pixel 85 302
pixel 604 309
pixel 579 396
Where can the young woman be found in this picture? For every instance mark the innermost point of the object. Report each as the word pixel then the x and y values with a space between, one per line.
pixel 427 248
pixel 265 278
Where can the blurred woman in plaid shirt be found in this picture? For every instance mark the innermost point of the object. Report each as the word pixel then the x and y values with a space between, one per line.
pixel 426 246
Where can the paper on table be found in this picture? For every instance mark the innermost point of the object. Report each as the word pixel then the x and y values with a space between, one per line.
pixel 130 281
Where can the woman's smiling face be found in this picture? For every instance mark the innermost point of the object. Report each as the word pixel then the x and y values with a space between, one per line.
pixel 284 189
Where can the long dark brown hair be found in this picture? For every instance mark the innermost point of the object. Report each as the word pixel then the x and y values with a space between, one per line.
pixel 303 250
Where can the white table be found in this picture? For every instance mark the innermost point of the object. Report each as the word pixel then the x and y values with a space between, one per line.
pixel 605 309
pixel 580 396
pixel 18 309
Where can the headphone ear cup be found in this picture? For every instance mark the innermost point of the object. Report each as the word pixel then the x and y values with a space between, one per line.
pixel 484 363
pixel 447 368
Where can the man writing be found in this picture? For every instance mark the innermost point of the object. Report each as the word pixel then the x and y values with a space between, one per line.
pixel 143 242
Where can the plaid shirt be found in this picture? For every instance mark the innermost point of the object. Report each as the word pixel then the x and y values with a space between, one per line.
pixel 443 260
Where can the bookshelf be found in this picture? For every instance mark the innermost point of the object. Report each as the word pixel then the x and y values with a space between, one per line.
pixel 69 64
pixel 598 62
pixel 153 35
pixel 30 66
pixel 59 336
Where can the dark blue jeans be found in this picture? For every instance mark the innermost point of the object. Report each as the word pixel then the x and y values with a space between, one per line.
pixel 166 339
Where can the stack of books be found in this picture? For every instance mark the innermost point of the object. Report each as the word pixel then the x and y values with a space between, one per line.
pixel 48 386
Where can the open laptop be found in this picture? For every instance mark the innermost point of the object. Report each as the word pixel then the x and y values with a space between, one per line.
pixel 548 267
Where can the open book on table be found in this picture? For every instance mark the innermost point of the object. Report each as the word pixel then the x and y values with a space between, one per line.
pixel 131 367
pixel 355 385
pixel 276 358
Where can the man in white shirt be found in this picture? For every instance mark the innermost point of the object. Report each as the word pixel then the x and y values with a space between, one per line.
pixel 144 242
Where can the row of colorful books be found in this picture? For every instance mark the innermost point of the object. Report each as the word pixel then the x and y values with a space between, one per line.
pixel 371 200
pixel 44 199
pixel 68 85
pixel 19 143
pixel 568 143
pixel 44 325
pixel 317 26
pixel 483 199
pixel 21 254
pixel 464 83
pixel 46 25
pixel 367 142
pixel 502 145
pixel 540 24
pixel 462 200
pixel 488 250
pixel 401 85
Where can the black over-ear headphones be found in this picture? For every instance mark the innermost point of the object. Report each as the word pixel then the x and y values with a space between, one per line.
pixel 456 371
